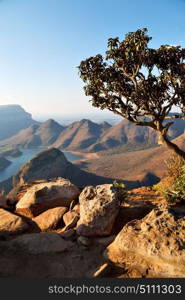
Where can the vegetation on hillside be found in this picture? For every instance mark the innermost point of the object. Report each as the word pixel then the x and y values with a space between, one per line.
pixel 173 186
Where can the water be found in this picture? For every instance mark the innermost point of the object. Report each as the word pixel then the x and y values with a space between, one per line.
pixel 27 154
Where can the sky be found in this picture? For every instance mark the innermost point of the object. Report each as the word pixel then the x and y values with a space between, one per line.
pixel 43 41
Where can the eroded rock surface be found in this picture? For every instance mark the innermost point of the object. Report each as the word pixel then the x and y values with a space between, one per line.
pixel 43 196
pixel 50 219
pixel 3 201
pixel 153 246
pixel 11 223
pixel 37 243
pixel 99 207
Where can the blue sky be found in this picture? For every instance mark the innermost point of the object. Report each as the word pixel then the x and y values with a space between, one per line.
pixel 43 41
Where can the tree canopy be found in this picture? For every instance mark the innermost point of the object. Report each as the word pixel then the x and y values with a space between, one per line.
pixel 138 83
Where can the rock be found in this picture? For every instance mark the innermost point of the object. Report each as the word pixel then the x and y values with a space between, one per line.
pixel 127 214
pixel 105 241
pixel 153 246
pixel 10 223
pixel 99 207
pixel 84 241
pixel 71 225
pixel 50 218
pixel 77 208
pixel 69 216
pixel 37 243
pixel 69 234
pixel 3 201
pixel 42 196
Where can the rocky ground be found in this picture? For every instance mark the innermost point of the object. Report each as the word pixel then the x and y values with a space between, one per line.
pixel 51 229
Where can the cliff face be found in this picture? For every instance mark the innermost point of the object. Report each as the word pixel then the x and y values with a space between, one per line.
pixel 13 118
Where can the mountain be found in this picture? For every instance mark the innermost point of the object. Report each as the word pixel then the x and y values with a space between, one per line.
pixel 52 163
pixel 89 136
pixel 37 135
pixel 127 134
pixel 13 118
pixel 80 135
pixel 124 133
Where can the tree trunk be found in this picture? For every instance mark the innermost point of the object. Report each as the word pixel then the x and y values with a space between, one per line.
pixel 173 147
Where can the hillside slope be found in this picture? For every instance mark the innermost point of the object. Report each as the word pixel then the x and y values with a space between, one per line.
pixel 145 166
pixel 50 164
pixel 80 135
pixel 88 136
pixel 36 135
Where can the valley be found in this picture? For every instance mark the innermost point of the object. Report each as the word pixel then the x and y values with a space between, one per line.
pixel 123 151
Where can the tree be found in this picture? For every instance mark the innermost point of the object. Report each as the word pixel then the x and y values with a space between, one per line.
pixel 139 83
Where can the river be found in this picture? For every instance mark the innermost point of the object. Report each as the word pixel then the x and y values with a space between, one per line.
pixel 27 154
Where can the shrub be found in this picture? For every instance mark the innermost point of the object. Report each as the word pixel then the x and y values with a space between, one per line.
pixel 178 192
pixel 173 186
pixel 122 193
pixel 174 166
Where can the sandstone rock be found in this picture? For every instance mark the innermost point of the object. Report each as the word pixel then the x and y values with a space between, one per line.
pixel 50 218
pixel 70 225
pixel 10 223
pixel 69 216
pixel 37 243
pixel 68 235
pixel 43 196
pixel 104 241
pixel 153 246
pixel 129 213
pixel 3 201
pixel 77 208
pixel 99 207
pixel 84 241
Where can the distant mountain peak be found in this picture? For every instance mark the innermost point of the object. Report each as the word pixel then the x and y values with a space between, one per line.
pixel 85 121
pixel 51 123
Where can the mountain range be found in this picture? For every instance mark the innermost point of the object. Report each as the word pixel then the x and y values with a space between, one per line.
pixel 89 136
pixel 123 151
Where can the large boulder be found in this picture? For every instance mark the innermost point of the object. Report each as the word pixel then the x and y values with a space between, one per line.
pixel 38 243
pixel 153 246
pixel 45 195
pixel 50 219
pixel 11 223
pixel 99 207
